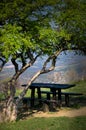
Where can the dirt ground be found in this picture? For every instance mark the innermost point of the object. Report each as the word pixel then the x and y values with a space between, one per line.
pixel 62 112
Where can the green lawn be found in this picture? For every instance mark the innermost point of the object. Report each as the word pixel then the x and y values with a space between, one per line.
pixel 57 123
pixel 80 87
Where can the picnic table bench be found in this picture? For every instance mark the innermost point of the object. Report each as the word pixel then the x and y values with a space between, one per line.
pixel 66 94
pixel 53 90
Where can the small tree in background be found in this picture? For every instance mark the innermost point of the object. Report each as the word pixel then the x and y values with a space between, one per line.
pixel 35 28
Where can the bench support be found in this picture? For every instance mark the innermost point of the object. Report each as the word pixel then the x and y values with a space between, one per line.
pixel 66 94
pixel 67 100
pixel 32 97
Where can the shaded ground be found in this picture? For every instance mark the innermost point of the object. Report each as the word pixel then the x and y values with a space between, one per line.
pixel 77 107
pixel 62 112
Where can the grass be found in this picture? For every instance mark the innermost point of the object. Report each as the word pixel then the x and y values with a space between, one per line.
pixel 80 87
pixel 53 123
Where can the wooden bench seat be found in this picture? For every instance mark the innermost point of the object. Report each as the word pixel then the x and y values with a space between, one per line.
pixel 67 94
pixel 47 101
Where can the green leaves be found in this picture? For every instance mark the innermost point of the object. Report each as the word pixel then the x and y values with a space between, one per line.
pixel 73 19
pixel 14 40
pixel 26 25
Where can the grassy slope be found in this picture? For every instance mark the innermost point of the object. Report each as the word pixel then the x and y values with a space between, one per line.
pixel 61 123
pixel 80 87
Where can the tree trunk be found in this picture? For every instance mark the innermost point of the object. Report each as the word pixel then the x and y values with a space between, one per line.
pixel 10 112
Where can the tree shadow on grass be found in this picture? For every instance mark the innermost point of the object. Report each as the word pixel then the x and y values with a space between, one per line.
pixel 75 102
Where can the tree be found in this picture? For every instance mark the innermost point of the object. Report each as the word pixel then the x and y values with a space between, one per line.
pixel 26 33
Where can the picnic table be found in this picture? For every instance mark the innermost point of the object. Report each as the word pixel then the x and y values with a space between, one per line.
pixel 53 89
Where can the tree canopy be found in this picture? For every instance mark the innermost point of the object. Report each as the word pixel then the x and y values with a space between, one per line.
pixel 41 26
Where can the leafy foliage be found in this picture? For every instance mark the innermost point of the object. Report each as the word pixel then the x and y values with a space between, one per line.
pixel 27 26
pixel 73 19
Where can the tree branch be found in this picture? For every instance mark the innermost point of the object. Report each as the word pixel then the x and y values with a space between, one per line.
pixel 53 58
pixel 29 64
pixel 43 70
pixel 23 60
pixel 30 55
pixel 15 64
pixel 3 63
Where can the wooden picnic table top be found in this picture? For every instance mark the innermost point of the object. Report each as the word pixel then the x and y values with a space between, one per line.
pixel 50 85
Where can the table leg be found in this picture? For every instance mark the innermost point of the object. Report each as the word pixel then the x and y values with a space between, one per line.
pixel 39 93
pixel 54 94
pixel 32 96
pixel 59 98
pixel 54 98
